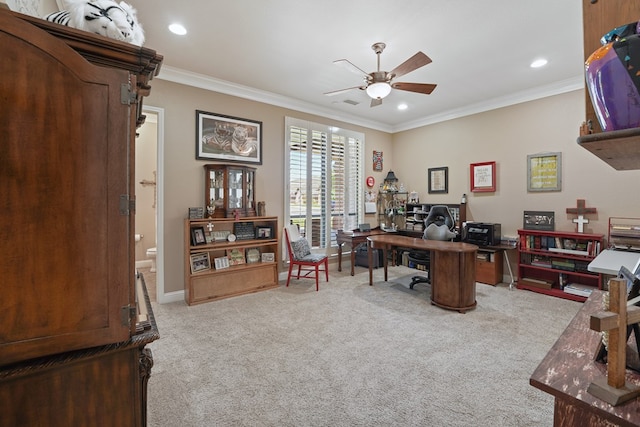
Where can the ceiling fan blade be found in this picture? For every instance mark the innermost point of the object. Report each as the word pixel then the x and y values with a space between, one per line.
pixel 339 91
pixel 376 101
pixel 425 88
pixel 345 63
pixel 416 61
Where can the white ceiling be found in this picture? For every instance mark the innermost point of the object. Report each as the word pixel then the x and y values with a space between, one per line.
pixel 282 52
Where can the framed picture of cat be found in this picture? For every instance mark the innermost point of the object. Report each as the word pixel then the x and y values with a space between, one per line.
pixel 227 138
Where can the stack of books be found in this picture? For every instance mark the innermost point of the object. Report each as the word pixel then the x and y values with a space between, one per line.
pixel 578 289
pixel 536 283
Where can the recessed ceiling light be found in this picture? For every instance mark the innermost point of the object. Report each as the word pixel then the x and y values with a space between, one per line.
pixel 402 106
pixel 177 29
pixel 538 63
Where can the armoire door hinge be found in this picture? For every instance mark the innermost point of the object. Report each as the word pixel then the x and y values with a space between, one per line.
pixel 127 96
pixel 127 205
pixel 126 314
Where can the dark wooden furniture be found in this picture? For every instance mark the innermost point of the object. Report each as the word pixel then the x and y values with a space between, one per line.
pixel 353 239
pixel 212 283
pixel 70 342
pixel 452 268
pixel 231 189
pixel 569 368
pixel 544 255
pixel 620 149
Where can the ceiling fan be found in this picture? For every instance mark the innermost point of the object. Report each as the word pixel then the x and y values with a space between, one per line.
pixel 378 84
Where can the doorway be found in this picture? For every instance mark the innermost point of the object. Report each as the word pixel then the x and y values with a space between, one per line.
pixel 149 174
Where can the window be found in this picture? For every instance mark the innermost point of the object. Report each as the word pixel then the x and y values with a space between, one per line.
pixel 323 180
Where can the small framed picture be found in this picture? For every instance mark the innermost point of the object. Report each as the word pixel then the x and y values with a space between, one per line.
pixel 539 220
pixel 264 232
pixel 483 177
pixel 438 180
pixel 253 255
pixel 221 262
pixel 197 236
pixel 200 262
pixel 544 172
pixel 268 257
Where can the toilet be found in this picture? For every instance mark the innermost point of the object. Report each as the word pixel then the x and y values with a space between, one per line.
pixel 151 254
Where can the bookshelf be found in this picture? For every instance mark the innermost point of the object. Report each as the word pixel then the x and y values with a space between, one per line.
pixel 556 263
pixel 225 258
pixel 624 234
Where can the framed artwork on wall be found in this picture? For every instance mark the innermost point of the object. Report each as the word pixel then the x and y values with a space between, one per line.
pixel 544 172
pixel 439 180
pixel 377 160
pixel 227 138
pixel 483 177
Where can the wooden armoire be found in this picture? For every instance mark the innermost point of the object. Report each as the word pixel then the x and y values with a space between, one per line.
pixel 74 317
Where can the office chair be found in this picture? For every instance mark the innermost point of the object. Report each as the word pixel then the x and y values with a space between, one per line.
pixel 439 225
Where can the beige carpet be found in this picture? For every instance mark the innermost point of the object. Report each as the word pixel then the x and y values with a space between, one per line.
pixel 354 355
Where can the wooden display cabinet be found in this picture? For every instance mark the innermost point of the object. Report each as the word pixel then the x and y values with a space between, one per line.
pixel 230 189
pixel 212 245
pixel 546 257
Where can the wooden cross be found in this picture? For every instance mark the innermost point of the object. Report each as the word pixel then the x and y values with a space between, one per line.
pixel 615 390
pixel 580 211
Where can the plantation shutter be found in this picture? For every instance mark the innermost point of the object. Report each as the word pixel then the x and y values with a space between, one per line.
pixel 323 181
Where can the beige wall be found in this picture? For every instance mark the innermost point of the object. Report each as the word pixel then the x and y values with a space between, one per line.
pixel 505 135
pixel 184 176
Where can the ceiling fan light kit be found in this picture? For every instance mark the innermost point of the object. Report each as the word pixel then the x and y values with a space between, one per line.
pixel 378 84
pixel 378 90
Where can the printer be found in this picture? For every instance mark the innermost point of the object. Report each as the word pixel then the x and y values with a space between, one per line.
pixel 482 233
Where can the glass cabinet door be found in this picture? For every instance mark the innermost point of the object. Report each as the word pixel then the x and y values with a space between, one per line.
pixel 250 198
pixel 229 191
pixel 216 188
pixel 235 181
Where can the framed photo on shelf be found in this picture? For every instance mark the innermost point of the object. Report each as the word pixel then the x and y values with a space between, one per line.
pixel 200 262
pixel 236 256
pixel 544 172
pixel 264 232
pixel 439 180
pixel 227 138
pixel 483 177
pixel 268 257
pixel 197 236
pixel 221 262
pixel 539 220
pixel 253 255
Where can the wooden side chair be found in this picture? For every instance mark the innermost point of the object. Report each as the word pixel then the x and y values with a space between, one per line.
pixel 300 254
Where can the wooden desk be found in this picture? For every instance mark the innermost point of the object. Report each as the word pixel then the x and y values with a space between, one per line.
pixel 452 268
pixel 353 239
pixel 569 368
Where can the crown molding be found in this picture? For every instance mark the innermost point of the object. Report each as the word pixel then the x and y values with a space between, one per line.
pixel 201 81
pixel 557 88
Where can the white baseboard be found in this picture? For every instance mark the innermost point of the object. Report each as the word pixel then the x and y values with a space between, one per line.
pixel 175 296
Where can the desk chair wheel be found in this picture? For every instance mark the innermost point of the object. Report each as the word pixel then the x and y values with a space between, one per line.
pixel 418 279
